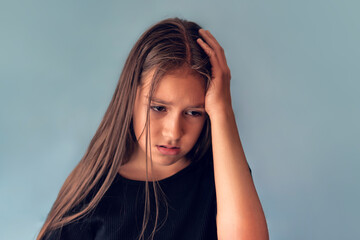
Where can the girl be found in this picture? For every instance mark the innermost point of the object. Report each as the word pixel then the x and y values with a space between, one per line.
pixel 170 123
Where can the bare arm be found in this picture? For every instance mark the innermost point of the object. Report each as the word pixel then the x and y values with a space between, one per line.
pixel 239 211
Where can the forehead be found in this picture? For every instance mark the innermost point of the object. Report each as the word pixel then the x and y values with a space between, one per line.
pixel 176 83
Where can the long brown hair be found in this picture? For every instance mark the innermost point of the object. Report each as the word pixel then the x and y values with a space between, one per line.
pixel 167 45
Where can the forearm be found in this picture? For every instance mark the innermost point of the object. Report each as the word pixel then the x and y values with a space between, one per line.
pixel 239 211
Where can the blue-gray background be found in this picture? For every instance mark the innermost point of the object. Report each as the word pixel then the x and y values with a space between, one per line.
pixel 295 86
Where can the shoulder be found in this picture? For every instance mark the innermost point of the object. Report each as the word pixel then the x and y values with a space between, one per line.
pixel 86 226
pixel 77 230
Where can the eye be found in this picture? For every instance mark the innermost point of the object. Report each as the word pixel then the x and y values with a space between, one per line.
pixel 158 108
pixel 194 113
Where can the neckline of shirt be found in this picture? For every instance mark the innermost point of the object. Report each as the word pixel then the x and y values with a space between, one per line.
pixel 165 180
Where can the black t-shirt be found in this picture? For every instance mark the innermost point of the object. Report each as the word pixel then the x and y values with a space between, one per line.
pixel 190 194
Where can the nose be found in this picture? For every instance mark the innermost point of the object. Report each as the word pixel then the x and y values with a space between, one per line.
pixel 172 128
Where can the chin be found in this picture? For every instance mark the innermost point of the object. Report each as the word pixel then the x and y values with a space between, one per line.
pixel 166 160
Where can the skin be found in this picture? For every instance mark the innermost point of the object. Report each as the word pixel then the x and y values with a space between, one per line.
pixel 239 211
pixel 177 116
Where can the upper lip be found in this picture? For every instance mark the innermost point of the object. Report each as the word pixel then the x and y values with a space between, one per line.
pixel 168 146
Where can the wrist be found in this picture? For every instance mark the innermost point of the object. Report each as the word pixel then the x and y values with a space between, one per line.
pixel 221 111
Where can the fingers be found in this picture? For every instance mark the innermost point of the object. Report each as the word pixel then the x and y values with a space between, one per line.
pixel 210 52
pixel 213 48
pixel 210 39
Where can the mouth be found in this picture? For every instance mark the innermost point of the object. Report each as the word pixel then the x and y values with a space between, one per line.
pixel 168 150
pixel 168 146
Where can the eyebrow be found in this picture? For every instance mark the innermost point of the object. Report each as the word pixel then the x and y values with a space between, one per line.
pixel 170 103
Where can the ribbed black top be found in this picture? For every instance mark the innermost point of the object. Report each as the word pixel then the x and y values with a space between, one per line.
pixel 191 199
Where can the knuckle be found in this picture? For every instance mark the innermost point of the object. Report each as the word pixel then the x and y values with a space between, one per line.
pixel 211 53
pixel 227 73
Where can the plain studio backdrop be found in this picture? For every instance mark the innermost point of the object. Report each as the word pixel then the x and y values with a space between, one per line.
pixel 295 91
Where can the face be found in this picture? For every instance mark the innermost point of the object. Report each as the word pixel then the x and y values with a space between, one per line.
pixel 177 116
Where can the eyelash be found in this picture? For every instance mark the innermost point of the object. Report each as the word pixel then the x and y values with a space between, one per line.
pixel 159 109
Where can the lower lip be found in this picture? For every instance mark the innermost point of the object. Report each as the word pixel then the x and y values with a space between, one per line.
pixel 168 151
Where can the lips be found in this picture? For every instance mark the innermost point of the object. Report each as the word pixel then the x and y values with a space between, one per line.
pixel 168 150
pixel 168 146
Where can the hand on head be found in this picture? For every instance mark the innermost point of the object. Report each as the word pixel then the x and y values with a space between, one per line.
pixel 218 95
